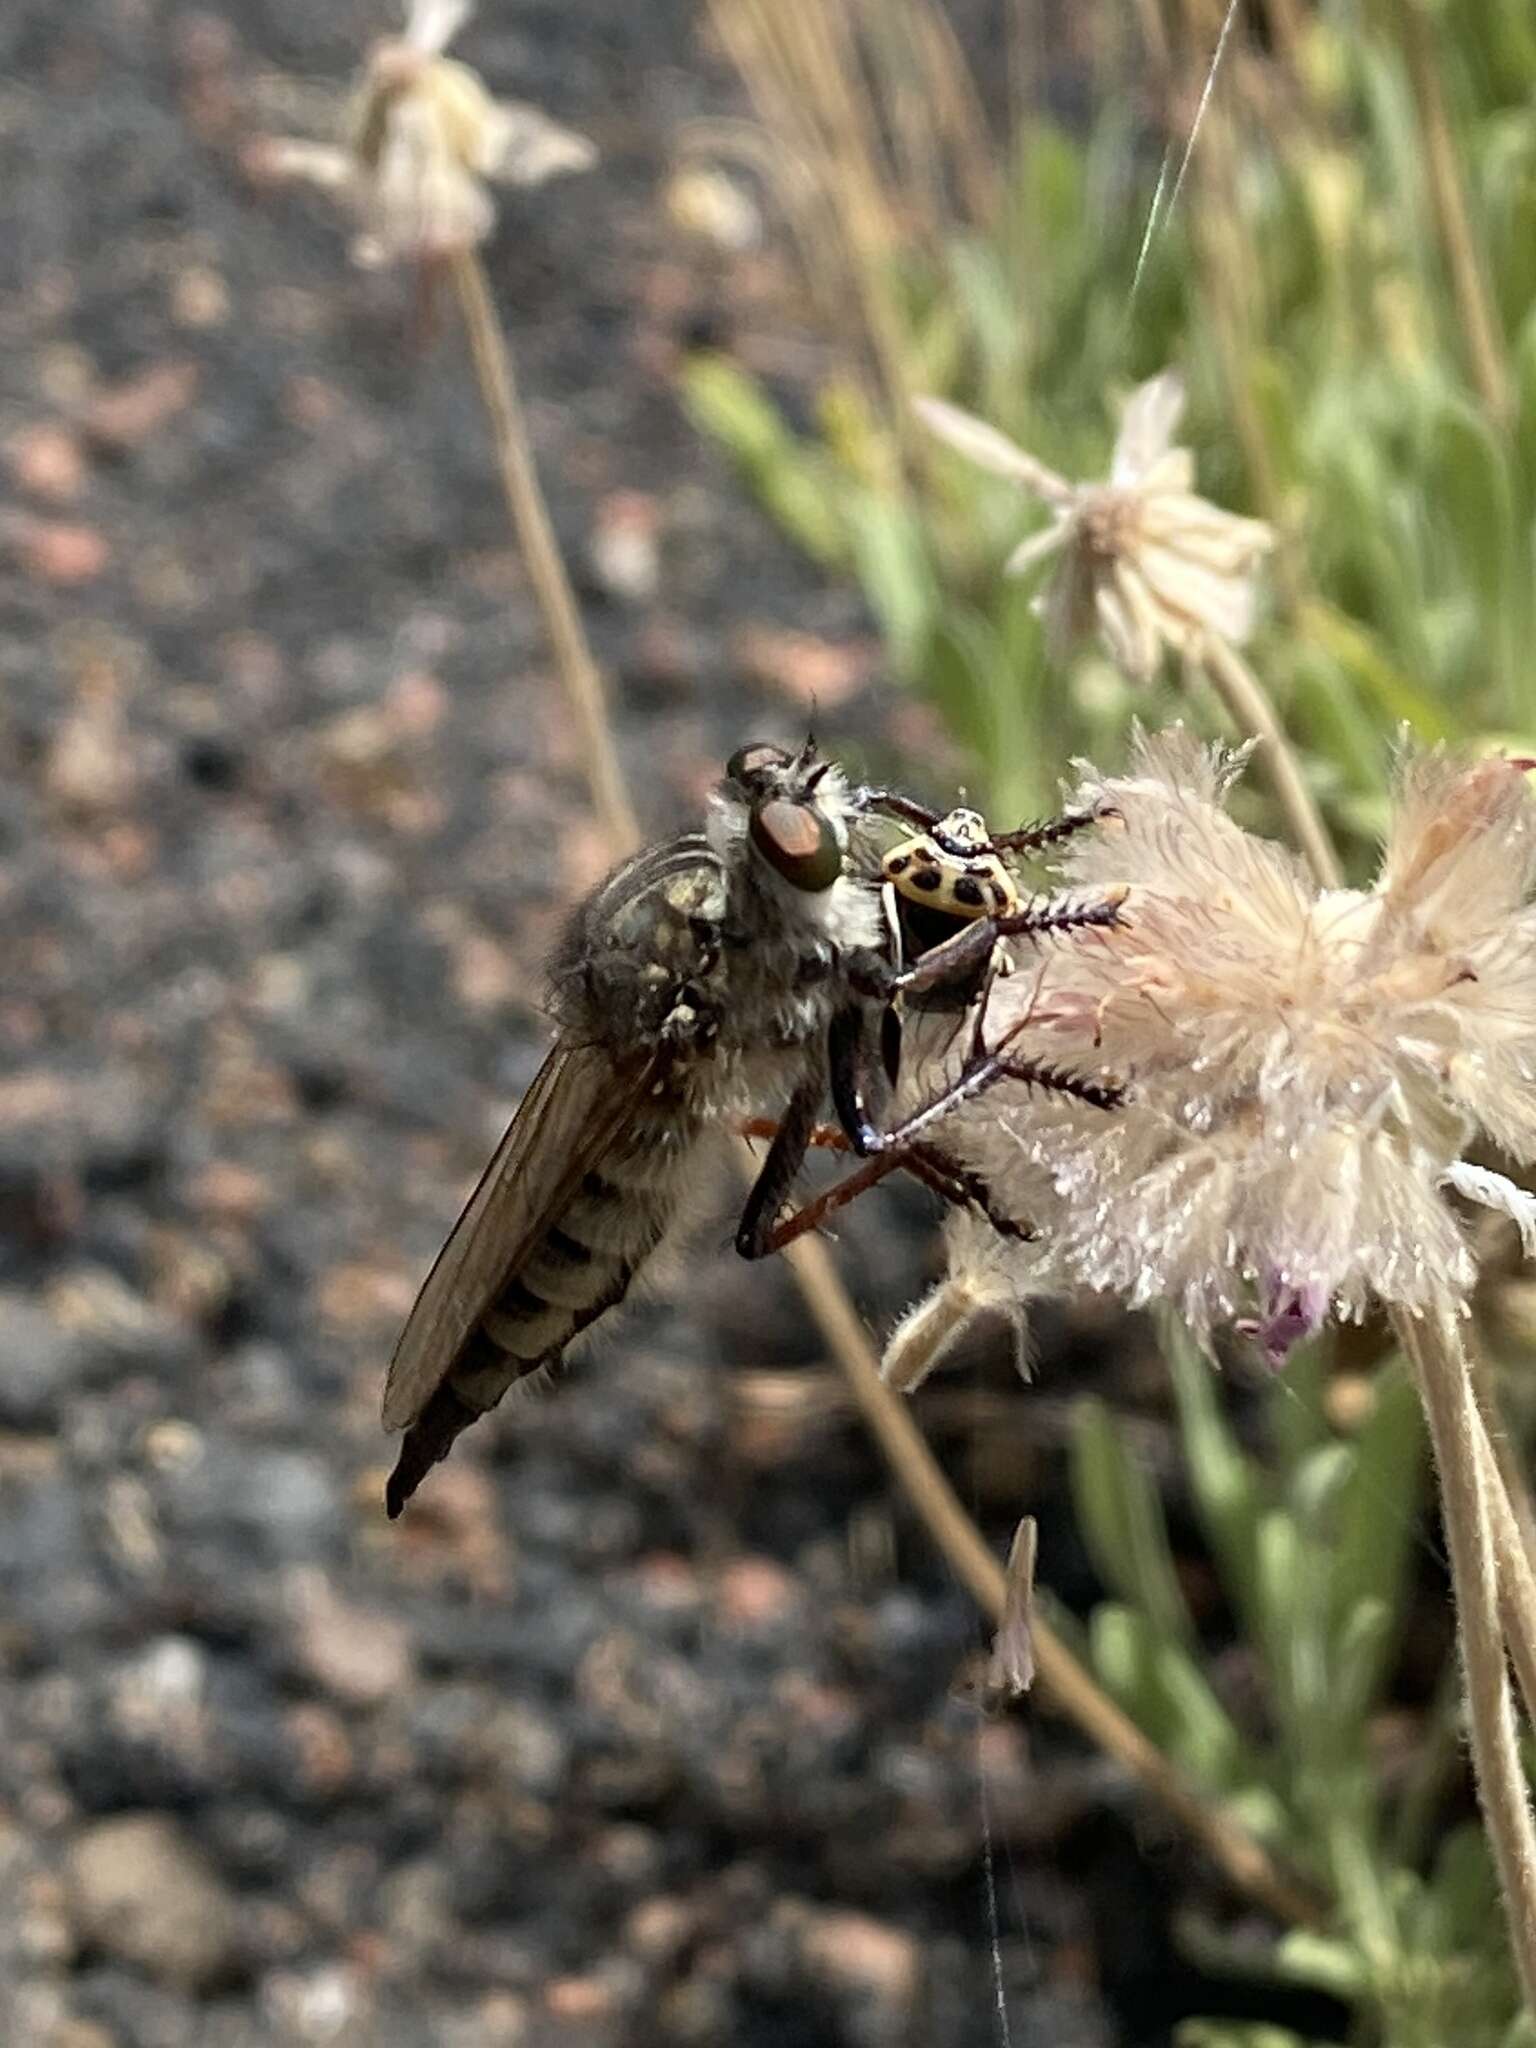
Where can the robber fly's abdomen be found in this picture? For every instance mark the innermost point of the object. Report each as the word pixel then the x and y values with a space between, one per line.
pixel 585 1261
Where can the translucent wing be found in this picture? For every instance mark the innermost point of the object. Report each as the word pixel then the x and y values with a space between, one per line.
pixel 579 1103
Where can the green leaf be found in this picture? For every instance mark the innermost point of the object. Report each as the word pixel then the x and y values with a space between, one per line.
pixel 890 553
pixel 1122 1522
pixel 1377 1512
pixel 794 480
pixel 1228 1486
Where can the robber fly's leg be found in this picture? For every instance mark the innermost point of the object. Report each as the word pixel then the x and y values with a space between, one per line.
pixel 983 1069
pixel 943 1176
pixel 959 1187
pixel 786 1155
pixel 853 1076
pixel 830 1200
pixel 824 1137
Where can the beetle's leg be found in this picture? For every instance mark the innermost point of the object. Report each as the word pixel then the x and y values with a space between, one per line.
pixel 1047 832
pixel 967 949
pixel 895 805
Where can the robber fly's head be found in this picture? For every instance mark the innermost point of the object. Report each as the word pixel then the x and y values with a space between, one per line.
pixel 792 809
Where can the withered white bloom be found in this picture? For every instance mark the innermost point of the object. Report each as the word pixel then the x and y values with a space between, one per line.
pixel 979 1283
pixel 424 139
pixel 1304 1070
pixel 1140 557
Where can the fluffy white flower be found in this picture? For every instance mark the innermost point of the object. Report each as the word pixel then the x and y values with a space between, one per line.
pixel 424 139
pixel 1304 1070
pixel 1140 557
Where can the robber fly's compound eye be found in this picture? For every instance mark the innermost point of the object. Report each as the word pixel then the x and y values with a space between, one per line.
pixel 749 764
pixel 798 842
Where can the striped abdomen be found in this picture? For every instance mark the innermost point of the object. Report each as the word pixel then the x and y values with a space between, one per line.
pixel 579 1267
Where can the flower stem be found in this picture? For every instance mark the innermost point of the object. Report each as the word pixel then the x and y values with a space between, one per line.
pixel 1510 1507
pixel 1249 703
pixel 1433 1345
pixel 579 675
pixel 1074 1691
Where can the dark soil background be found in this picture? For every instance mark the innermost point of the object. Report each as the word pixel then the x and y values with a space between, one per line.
pixel 638 1727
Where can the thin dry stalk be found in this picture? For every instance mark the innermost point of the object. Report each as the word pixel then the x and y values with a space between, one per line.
pixel 1076 1695
pixel 578 671
pixel 801 71
pixel 1248 703
pixel 1433 1347
pixel 1453 217
pixel 1510 1504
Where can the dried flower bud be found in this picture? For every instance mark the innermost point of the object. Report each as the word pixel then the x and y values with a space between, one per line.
pixel 1140 557
pixel 424 139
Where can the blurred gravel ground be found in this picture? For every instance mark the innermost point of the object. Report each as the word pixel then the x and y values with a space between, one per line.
pixel 621 1737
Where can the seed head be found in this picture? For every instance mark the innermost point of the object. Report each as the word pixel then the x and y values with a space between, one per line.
pixel 424 139
pixel 1304 1070
pixel 1140 558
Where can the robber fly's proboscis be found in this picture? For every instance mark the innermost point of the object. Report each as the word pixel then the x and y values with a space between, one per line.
pixel 760 964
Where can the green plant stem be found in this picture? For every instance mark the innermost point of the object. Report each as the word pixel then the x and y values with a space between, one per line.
pixel 1432 1344
pixel 578 671
pixel 1249 704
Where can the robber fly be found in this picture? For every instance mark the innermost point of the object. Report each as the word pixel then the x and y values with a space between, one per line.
pixel 713 973
pixel 700 977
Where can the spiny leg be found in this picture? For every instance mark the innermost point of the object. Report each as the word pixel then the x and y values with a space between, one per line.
pixel 970 947
pixel 1032 838
pixel 1047 832
pixel 951 1182
pixel 983 1069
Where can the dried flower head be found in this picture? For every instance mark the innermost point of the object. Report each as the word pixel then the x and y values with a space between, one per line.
pixel 1139 557
pixel 1305 1070
pixel 423 138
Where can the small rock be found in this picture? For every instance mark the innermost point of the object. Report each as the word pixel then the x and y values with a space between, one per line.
pixel 39 1363
pixel 808 670
pixel 128 414
pixel 355 1654
pixel 864 1958
pixel 754 1593
pixel 145 1894
pixel 60 552
pixel 46 461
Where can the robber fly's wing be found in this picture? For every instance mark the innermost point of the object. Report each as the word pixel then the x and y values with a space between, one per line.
pixel 581 1100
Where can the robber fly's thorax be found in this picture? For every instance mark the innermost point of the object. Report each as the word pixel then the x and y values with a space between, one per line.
pixel 705 947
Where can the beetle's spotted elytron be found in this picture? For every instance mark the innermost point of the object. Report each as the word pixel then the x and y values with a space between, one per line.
pixel 707 977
